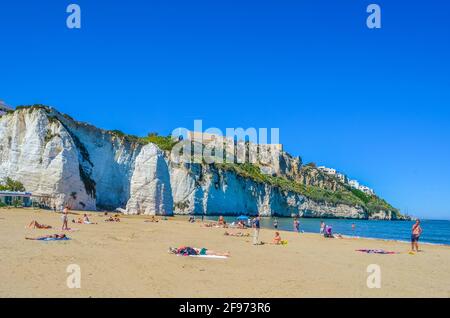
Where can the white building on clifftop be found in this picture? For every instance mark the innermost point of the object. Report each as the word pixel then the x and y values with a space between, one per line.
pixel 330 171
pixel 4 108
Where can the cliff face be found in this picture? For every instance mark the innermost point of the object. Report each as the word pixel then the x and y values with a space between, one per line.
pixel 89 168
pixel 42 155
pixel 208 190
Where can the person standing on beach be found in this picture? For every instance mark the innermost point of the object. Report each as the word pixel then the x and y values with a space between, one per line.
pixel 296 225
pixel 256 226
pixel 416 232
pixel 322 227
pixel 275 223
pixel 64 217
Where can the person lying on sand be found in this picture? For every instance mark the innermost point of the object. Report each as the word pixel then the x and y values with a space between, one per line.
pixel 210 224
pixel 186 251
pixel 79 221
pixel 153 219
pixel 44 237
pixel 238 234
pixel 35 225
pixel 111 219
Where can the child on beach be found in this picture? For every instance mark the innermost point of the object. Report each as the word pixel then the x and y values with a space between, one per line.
pixel 277 239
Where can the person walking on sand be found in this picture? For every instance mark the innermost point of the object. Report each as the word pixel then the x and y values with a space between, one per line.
pixel 64 217
pixel 322 227
pixel 296 225
pixel 275 223
pixel 416 232
pixel 256 227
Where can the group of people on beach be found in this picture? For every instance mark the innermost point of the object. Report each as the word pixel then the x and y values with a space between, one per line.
pixel 65 224
pixel 325 229
pixel 254 223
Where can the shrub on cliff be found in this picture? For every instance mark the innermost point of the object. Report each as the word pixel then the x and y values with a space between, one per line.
pixel 163 142
pixel 11 185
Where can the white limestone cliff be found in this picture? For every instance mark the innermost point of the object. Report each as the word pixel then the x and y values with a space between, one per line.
pixel 206 191
pixel 42 155
pixel 151 193
pixel 89 168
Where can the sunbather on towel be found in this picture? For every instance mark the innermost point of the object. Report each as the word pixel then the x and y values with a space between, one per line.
pixel 210 224
pixel 113 219
pixel 238 234
pixel 188 251
pixel 45 237
pixel 35 225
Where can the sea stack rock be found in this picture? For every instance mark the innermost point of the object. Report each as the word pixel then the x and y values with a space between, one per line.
pixel 150 191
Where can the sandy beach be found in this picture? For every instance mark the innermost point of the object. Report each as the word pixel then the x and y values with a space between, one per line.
pixel 130 259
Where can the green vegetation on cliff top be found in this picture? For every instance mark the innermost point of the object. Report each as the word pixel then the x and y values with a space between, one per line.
pixel 349 196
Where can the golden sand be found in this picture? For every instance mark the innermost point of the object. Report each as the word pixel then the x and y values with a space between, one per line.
pixel 130 259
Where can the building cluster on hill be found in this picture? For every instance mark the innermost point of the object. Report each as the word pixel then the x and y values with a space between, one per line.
pixel 209 138
pixel 343 178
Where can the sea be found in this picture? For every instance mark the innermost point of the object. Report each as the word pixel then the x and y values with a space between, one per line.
pixel 434 231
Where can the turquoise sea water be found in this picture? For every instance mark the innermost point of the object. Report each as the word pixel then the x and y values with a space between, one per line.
pixel 434 231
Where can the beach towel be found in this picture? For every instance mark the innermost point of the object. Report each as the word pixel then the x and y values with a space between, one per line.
pixel 209 256
pixel 376 251
pixel 54 239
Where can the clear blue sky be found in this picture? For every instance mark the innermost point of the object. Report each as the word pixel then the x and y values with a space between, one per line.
pixel 374 104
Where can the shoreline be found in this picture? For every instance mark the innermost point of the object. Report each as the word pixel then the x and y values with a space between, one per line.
pixel 209 216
